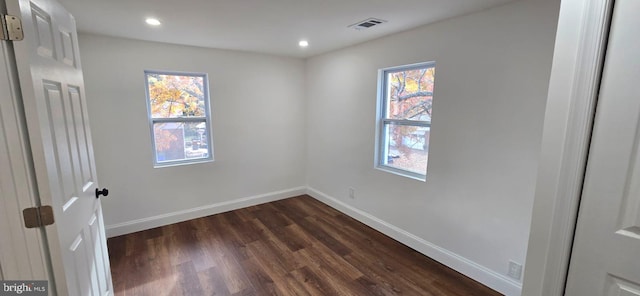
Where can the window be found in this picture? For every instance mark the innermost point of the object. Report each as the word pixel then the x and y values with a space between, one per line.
pixel 404 119
pixel 178 106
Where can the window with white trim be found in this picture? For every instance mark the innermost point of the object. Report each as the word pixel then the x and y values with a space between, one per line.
pixel 179 117
pixel 405 99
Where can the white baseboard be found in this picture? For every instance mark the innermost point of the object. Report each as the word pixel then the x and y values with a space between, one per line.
pixel 184 215
pixel 463 265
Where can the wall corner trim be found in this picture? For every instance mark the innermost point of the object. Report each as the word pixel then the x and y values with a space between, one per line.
pixel 486 276
pixel 203 211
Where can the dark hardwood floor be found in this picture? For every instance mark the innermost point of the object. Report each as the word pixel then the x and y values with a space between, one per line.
pixel 296 246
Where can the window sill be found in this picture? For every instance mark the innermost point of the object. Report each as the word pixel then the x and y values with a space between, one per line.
pixel 402 173
pixel 182 163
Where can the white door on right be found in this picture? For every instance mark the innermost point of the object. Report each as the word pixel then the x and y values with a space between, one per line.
pixel 606 253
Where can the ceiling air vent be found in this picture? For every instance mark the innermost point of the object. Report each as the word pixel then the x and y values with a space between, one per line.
pixel 366 24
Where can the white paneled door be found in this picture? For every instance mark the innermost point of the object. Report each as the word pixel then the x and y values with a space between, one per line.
pixel 606 254
pixel 53 95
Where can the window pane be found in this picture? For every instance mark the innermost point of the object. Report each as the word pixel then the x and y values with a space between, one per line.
pixel 173 96
pixel 180 141
pixel 406 147
pixel 409 94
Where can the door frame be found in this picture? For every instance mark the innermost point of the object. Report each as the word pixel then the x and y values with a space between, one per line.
pixel 580 47
pixel 25 254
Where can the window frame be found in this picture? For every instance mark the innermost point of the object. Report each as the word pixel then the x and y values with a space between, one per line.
pixel 382 123
pixel 206 119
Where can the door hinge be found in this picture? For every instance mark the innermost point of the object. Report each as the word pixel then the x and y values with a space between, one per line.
pixel 11 28
pixel 38 216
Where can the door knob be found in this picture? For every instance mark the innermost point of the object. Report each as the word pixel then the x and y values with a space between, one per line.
pixel 104 192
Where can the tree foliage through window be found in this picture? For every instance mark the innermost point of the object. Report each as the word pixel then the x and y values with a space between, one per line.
pixel 176 96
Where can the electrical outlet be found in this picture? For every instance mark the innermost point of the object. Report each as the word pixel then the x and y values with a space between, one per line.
pixel 352 193
pixel 515 270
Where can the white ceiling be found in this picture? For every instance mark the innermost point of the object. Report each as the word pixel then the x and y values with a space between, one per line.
pixel 273 26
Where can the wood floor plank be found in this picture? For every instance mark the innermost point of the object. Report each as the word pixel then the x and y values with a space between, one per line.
pixel 233 273
pixel 229 237
pixel 385 262
pixel 212 283
pixel 261 281
pixel 281 252
pixel 295 246
pixel 388 279
pixel 374 288
pixel 189 280
pixel 324 278
pixel 276 269
pixel 311 283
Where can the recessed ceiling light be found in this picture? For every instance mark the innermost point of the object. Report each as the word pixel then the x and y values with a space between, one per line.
pixel 153 21
pixel 303 43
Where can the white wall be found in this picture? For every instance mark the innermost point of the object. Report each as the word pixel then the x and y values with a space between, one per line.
pixel 258 110
pixel 492 73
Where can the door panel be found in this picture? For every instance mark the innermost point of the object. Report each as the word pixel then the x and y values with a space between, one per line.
pixel 85 176
pixel 69 56
pixel 606 254
pixel 43 30
pixel 55 108
pixel 81 284
pixel 620 287
pixel 101 273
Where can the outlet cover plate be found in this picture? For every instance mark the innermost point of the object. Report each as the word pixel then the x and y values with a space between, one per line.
pixel 515 270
